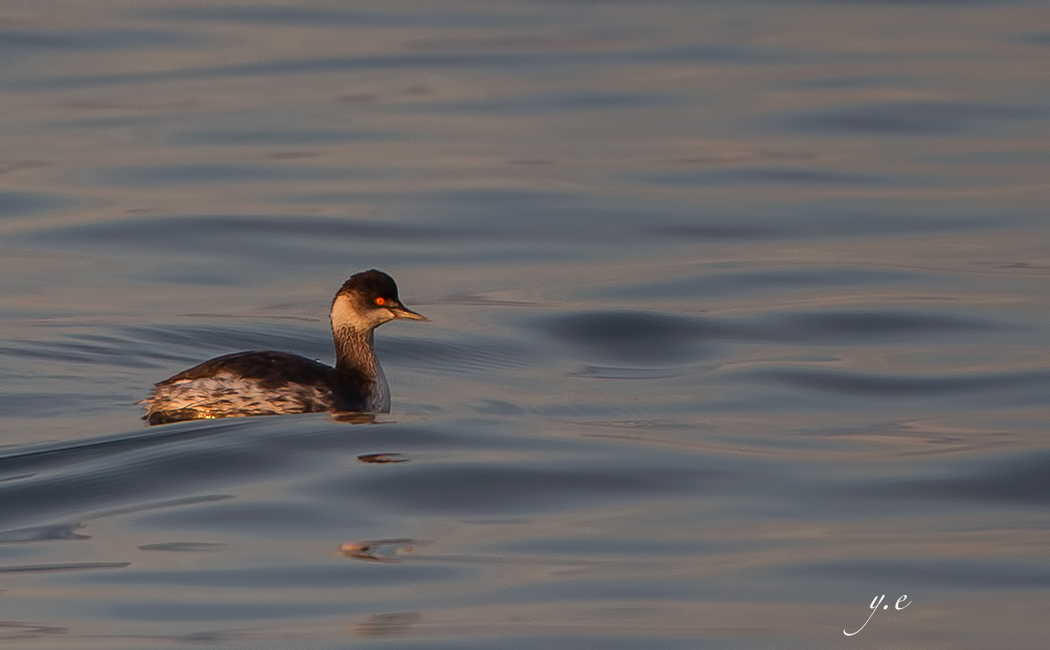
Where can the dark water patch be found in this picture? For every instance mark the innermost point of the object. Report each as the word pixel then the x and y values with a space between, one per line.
pixel 837 82
pixel 648 337
pixel 334 574
pixel 757 176
pixel 515 213
pixel 150 506
pixel 341 17
pixel 498 407
pixel 200 609
pixel 715 230
pixel 817 223
pixel 19 204
pixel 1040 158
pixel 95 39
pixel 393 624
pixel 132 475
pixel 952 3
pixel 1013 481
pixel 40 404
pixel 89 348
pixel 913 118
pixel 504 214
pixel 286 15
pixel 62 568
pixel 589 36
pixel 272 518
pixel 877 386
pixel 394 62
pixel 564 101
pixel 202 173
pixel 183 547
pixel 72 479
pixel 287 242
pixel 700 52
pixel 328 197
pixel 508 489
pixel 290 239
pixel 322 434
pixel 763 3
pixel 126 474
pixel 641 547
pixel 317 65
pixel 723 283
pixel 177 273
pixel 644 374
pixel 15 630
pixel 19 461
pixel 155 119
pixel 930 573
pixel 858 326
pixel 671 588
pixel 280 136
pixel 581 48
pixel 586 46
pixel 283 434
pixel 635 337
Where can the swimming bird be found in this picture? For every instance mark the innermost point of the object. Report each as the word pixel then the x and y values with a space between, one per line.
pixel 275 383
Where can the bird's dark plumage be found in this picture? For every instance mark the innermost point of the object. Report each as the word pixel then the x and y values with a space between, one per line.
pixel 271 383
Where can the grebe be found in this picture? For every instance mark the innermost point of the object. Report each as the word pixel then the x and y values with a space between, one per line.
pixel 275 383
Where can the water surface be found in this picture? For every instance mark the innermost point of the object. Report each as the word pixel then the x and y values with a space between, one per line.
pixel 739 321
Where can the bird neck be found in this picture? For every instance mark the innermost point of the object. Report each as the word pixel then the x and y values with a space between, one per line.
pixel 355 350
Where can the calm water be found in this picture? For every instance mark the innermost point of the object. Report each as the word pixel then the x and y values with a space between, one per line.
pixel 740 320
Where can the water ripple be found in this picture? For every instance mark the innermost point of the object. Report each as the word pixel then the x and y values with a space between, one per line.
pixel 900 385
pixel 650 337
pixel 231 233
pixel 914 118
pixel 934 573
pixel 62 568
pixel 478 489
pixel 1017 481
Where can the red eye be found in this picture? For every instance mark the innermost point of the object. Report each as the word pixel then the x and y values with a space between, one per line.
pixel 380 301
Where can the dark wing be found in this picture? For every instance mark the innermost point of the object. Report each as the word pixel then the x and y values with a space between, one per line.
pixel 270 369
pixel 277 370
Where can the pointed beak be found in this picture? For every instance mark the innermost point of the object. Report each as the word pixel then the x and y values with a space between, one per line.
pixel 400 311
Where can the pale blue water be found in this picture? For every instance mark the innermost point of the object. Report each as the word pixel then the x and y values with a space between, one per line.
pixel 739 321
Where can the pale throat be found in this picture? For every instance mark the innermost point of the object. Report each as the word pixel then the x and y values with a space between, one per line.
pixel 353 338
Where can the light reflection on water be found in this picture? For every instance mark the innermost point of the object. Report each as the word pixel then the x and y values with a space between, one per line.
pixel 739 318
